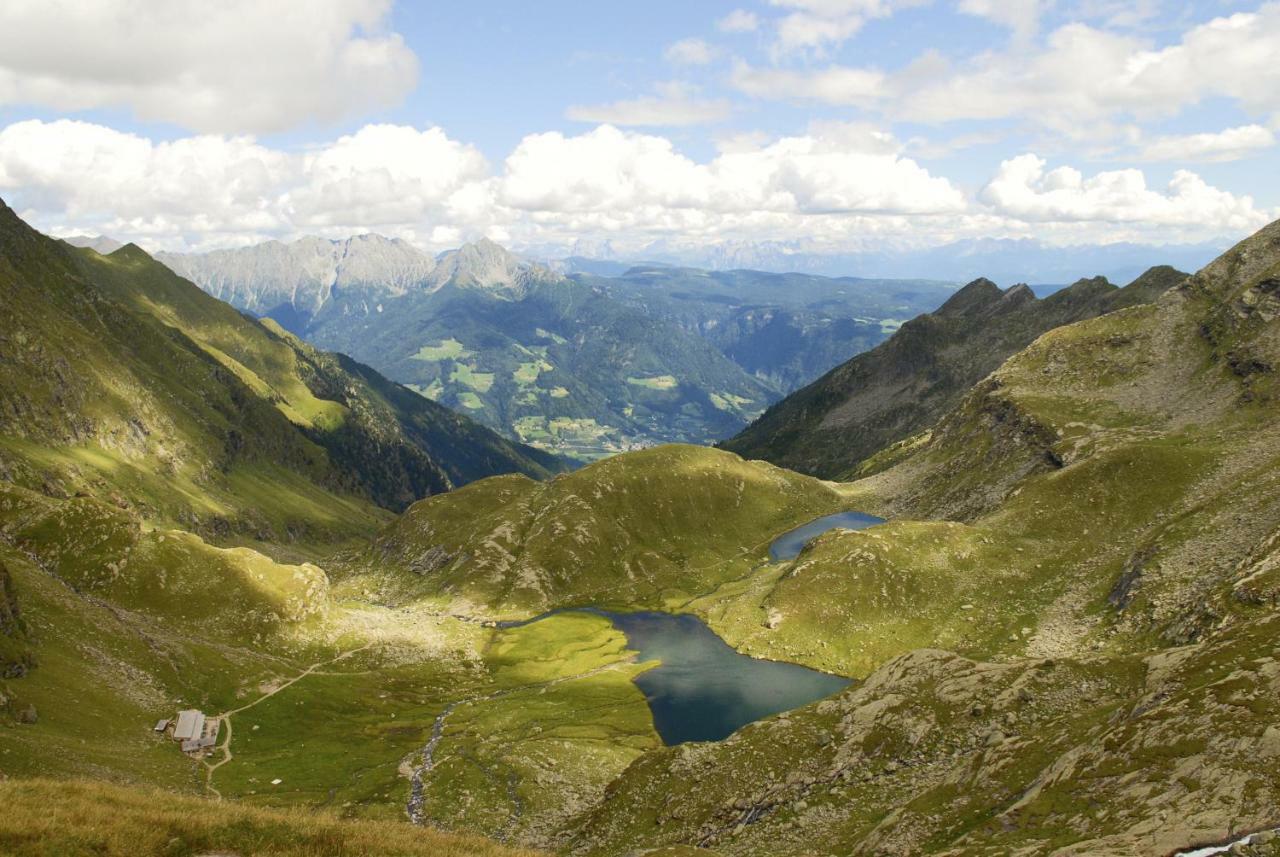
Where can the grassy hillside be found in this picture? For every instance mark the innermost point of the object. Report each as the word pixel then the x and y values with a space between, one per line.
pixel 649 528
pixel 124 382
pixel 905 385
pixel 56 817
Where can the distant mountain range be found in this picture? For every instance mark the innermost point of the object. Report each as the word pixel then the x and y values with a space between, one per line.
pixel 582 364
pixel 1006 261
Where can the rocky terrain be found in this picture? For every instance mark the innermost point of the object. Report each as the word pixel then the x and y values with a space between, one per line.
pixel 292 282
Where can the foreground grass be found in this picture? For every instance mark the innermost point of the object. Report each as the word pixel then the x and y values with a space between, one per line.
pixel 65 818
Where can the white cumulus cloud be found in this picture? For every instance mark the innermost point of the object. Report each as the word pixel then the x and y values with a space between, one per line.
pixel 211 190
pixel 228 66
pixel 1022 188
pixel 613 172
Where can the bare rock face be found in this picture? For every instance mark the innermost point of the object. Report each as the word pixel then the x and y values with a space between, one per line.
pixel 306 274
pixel 487 265
pixel 294 282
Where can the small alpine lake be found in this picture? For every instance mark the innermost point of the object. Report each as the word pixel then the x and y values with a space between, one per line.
pixel 703 690
pixel 789 544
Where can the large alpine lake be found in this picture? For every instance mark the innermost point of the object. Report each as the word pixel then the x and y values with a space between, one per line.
pixel 703 690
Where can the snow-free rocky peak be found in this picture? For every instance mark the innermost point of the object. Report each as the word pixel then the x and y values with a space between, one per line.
pixel 486 265
pixel 305 274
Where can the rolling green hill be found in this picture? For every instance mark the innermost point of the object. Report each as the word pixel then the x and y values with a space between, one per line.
pixel 646 529
pixel 902 387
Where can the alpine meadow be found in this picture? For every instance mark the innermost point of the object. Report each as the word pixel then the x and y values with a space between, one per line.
pixel 771 428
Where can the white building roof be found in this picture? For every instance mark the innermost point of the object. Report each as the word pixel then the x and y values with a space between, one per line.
pixel 190 725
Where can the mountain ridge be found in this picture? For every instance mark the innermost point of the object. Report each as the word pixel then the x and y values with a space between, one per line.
pixel 901 387
pixel 120 352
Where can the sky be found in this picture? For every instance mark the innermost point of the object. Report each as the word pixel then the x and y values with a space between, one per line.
pixel 825 125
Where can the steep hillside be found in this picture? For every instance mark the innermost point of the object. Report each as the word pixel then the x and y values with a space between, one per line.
pixel 124 381
pixel 902 387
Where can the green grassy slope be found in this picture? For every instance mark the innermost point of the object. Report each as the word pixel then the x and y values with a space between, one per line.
pixel 125 382
pixel 54 817
pixel 905 385
pixel 649 528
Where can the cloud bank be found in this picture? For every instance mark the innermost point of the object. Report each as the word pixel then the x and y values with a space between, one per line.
pixel 230 66
pixel 837 187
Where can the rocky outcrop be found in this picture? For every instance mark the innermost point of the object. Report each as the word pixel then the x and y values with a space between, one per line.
pixel 940 754
pixel 294 281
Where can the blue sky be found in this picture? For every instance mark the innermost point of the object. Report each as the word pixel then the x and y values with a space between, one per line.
pixel 828 125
